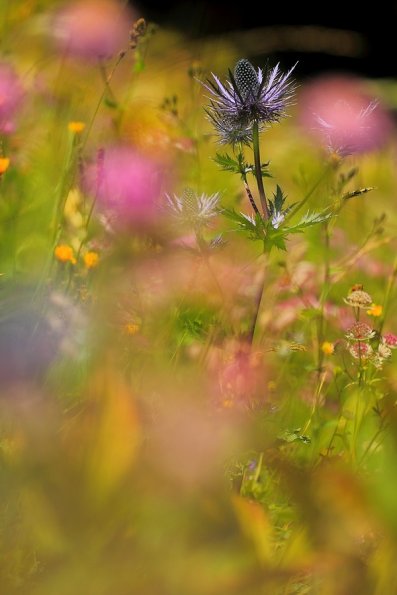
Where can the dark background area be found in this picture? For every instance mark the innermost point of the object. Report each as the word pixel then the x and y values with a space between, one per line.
pixel 331 36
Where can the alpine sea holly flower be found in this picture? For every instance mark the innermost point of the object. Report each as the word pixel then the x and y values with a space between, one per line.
pixel 229 131
pixel 193 209
pixel 249 96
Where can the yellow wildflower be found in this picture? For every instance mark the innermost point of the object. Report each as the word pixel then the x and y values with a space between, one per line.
pixel 327 348
pixel 227 403
pixel 4 164
pixel 91 259
pixel 131 329
pixel 76 127
pixel 375 310
pixel 64 253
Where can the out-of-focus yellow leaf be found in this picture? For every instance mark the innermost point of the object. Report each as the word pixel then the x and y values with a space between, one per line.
pixel 256 525
pixel 115 432
pixel 297 551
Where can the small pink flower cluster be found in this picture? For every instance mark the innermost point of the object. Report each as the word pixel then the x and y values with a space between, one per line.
pixel 360 334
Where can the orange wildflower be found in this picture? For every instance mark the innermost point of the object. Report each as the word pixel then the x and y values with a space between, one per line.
pixel 375 310
pixel 4 164
pixel 64 253
pixel 76 127
pixel 91 259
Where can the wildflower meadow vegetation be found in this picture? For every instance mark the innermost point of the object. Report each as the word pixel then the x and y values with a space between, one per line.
pixel 198 327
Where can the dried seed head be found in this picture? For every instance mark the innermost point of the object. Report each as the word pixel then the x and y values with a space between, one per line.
pixel 359 299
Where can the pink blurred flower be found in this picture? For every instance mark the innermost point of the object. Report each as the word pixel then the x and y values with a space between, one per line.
pixel 189 444
pixel 92 29
pixel 390 340
pixel 127 185
pixel 11 95
pixel 338 114
pixel 239 376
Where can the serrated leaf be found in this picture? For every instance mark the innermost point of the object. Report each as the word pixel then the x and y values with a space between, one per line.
pixel 308 220
pixel 278 199
pixel 227 163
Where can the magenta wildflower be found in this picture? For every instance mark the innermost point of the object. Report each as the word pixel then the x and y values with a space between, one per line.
pixel 11 95
pixel 91 29
pixel 126 185
pixel 343 118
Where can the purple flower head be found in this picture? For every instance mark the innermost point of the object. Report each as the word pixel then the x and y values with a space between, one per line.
pixel 248 96
pixel 126 185
pixel 11 95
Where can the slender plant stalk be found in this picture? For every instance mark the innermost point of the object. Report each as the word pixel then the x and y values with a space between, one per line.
pixel 257 304
pixel 106 88
pixel 324 295
pixel 258 169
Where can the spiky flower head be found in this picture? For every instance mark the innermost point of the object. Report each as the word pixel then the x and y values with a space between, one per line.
pixel 249 95
pixel 195 210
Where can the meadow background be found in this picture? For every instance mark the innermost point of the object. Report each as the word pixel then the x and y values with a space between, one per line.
pixel 152 440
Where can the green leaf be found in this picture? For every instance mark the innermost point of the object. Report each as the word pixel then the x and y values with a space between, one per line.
pixel 111 103
pixel 227 163
pixel 293 436
pixel 308 220
pixel 279 199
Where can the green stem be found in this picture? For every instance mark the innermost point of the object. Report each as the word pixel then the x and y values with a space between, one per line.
pixel 389 289
pixel 323 297
pixel 258 302
pixel 307 196
pixel 105 90
pixel 258 169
